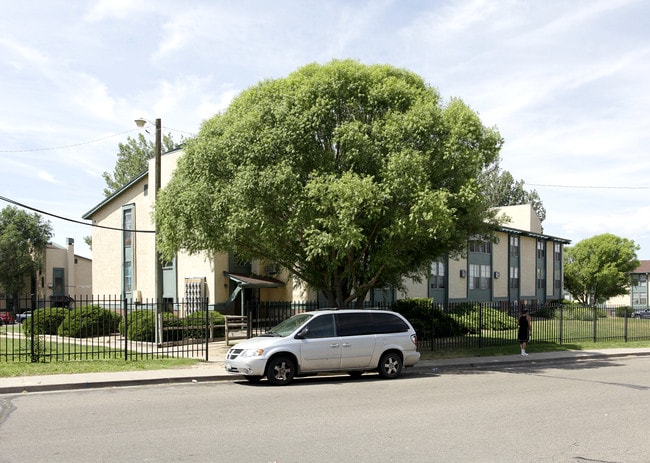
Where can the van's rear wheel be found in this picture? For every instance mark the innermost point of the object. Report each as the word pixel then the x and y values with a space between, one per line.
pixel 390 365
pixel 280 371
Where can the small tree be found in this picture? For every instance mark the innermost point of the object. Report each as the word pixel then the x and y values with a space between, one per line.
pixel 501 189
pixel 598 268
pixel 132 161
pixel 23 238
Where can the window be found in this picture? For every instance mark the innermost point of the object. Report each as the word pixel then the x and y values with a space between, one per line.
pixel 438 275
pixel 127 225
pixel 541 279
pixel 541 249
pixel 128 250
pixel 479 276
pixel 557 252
pixel 128 276
pixel 388 323
pixel 514 277
pixel 480 246
pixel 514 245
pixel 354 324
pixel 321 327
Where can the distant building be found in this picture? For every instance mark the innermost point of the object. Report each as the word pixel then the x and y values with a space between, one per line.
pixel 64 277
pixel 638 294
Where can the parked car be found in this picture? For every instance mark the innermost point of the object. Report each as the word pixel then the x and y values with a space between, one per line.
pixel 352 341
pixel 21 317
pixel 6 317
pixel 643 313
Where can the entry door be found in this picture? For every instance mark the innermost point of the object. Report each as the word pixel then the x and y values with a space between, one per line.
pixel 58 277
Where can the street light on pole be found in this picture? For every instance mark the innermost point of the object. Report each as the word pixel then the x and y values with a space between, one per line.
pixel 158 277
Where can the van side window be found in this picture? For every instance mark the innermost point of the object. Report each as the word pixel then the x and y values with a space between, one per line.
pixel 388 323
pixel 321 327
pixel 354 324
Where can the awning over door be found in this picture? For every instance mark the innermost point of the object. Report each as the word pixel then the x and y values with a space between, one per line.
pixel 250 281
pixel 254 281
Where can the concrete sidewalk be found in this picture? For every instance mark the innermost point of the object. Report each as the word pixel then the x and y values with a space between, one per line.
pixel 213 370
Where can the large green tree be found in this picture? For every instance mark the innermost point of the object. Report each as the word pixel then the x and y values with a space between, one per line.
pixel 349 176
pixel 132 160
pixel 23 238
pixel 501 189
pixel 599 267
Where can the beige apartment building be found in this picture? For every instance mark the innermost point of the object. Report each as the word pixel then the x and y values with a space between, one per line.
pixel 124 256
pixel 520 264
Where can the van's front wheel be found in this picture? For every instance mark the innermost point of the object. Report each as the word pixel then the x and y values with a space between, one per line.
pixel 280 371
pixel 390 365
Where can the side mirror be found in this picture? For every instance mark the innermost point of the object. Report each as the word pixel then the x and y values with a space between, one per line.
pixel 302 334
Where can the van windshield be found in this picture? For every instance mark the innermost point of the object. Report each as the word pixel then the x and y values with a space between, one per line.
pixel 288 326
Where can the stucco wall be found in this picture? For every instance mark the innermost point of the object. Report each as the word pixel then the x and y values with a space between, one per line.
pixel 528 273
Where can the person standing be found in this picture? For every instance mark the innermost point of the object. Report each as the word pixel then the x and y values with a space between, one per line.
pixel 525 330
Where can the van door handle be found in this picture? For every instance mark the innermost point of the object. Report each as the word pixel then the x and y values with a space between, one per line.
pixel 346 344
pixel 334 345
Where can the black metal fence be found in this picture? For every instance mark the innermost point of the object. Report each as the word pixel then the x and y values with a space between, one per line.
pixel 477 325
pixel 107 328
pixel 112 328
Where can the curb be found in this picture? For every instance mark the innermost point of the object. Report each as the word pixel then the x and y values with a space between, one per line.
pixel 425 367
pixel 124 382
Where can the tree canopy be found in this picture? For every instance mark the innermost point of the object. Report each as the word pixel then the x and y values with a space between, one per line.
pixel 598 268
pixel 23 238
pixel 349 176
pixel 132 160
pixel 501 189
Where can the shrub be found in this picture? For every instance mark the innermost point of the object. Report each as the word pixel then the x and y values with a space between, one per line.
pixel 45 320
pixel 195 322
pixel 624 311
pixel 427 319
pixel 141 326
pixel 89 321
pixel 474 318
pixel 584 313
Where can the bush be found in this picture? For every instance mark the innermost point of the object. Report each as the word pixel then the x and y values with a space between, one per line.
pixel 141 326
pixel 45 321
pixel 195 322
pixel 576 312
pixel 474 318
pixel 427 319
pixel 89 321
pixel 624 311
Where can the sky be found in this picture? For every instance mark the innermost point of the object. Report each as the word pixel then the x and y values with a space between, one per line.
pixel 566 83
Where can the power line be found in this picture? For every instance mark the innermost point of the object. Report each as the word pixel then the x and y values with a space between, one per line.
pixel 87 142
pixel 69 146
pixel 16 203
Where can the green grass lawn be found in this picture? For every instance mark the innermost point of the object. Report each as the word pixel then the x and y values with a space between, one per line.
pixel 533 347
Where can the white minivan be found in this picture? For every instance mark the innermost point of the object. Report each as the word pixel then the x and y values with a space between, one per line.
pixel 352 341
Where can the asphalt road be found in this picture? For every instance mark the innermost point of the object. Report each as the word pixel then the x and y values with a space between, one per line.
pixel 592 411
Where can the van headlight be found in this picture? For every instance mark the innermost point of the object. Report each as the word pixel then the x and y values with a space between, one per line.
pixel 252 353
